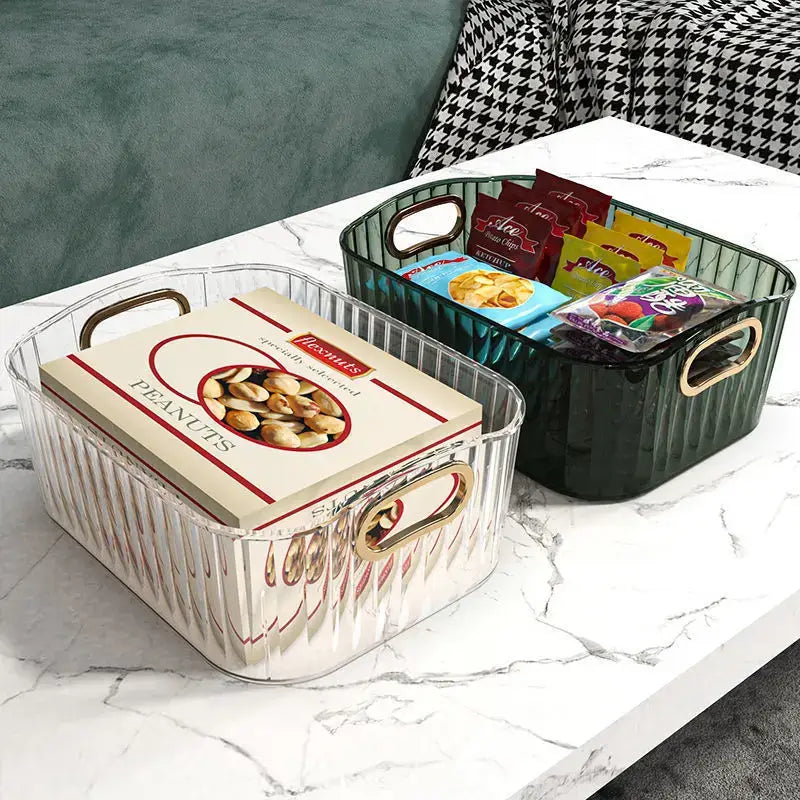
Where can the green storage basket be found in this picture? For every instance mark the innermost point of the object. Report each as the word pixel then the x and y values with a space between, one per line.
pixel 592 430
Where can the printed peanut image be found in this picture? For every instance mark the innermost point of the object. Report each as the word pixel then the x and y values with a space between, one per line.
pixel 274 408
pixel 480 288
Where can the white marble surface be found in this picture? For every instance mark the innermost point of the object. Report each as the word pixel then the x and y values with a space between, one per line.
pixel 604 629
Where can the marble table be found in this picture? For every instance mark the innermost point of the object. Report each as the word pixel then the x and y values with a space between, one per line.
pixel 604 629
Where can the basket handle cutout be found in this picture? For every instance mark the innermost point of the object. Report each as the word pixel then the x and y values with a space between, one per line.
pixel 85 339
pixel 692 384
pixel 435 241
pixel 377 550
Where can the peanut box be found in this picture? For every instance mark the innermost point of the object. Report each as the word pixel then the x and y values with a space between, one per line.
pixel 256 408
pixel 259 413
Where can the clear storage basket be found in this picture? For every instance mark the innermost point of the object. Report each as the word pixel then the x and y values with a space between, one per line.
pixel 274 604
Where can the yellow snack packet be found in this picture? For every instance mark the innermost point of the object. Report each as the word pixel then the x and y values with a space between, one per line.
pixel 647 255
pixel 674 246
pixel 586 268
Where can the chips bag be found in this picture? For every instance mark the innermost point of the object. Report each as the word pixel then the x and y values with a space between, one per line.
pixel 562 216
pixel 585 268
pixel 674 246
pixel 648 310
pixel 592 204
pixel 507 237
pixel 646 255
pixel 502 297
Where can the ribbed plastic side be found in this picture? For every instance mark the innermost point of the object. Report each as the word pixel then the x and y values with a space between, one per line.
pixel 276 605
pixel 593 431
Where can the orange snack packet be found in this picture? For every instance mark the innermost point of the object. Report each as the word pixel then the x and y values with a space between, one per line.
pixel 646 255
pixel 675 246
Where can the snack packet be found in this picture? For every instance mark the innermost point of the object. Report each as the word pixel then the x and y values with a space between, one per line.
pixel 646 255
pixel 674 246
pixel 649 309
pixel 540 330
pixel 562 216
pixel 502 297
pixel 507 237
pixel 585 268
pixel 592 204
pixel 581 345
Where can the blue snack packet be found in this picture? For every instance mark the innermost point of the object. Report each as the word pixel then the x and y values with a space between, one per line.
pixel 500 296
pixel 540 329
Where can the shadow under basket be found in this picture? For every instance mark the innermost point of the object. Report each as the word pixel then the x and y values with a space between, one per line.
pixel 275 604
pixel 596 431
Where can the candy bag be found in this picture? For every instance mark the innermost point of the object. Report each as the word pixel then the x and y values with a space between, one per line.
pixel 675 246
pixel 509 238
pixel 646 255
pixel 649 309
pixel 585 268
pixel 562 216
pixel 502 297
pixel 592 204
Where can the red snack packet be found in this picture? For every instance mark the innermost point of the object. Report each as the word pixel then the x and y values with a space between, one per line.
pixel 562 216
pixel 509 238
pixel 593 205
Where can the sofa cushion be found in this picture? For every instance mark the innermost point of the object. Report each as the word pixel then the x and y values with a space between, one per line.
pixel 132 129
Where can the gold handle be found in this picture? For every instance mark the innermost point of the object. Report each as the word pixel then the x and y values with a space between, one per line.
pixel 85 339
pixel 445 238
pixel 396 539
pixel 736 366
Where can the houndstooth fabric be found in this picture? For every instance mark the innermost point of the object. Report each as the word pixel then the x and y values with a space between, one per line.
pixel 724 73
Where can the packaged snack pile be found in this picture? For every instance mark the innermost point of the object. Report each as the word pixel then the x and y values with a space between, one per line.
pixel 542 260
pixel 647 310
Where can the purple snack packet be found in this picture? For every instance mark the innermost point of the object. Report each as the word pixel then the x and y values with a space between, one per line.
pixel 647 310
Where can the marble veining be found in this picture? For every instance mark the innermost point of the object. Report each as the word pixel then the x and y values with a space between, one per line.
pixel 604 629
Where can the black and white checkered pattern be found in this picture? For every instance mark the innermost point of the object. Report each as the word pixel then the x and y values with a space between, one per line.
pixel 724 73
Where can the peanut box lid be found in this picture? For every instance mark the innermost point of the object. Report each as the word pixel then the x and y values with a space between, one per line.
pixel 255 408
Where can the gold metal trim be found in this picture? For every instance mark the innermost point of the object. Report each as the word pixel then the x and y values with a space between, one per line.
pixel 746 356
pixel 119 307
pixel 445 238
pixel 396 539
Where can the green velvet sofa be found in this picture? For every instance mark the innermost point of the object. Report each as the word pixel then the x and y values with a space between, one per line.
pixel 130 129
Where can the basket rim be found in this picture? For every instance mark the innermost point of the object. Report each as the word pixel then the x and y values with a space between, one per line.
pixel 679 343
pixel 21 382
